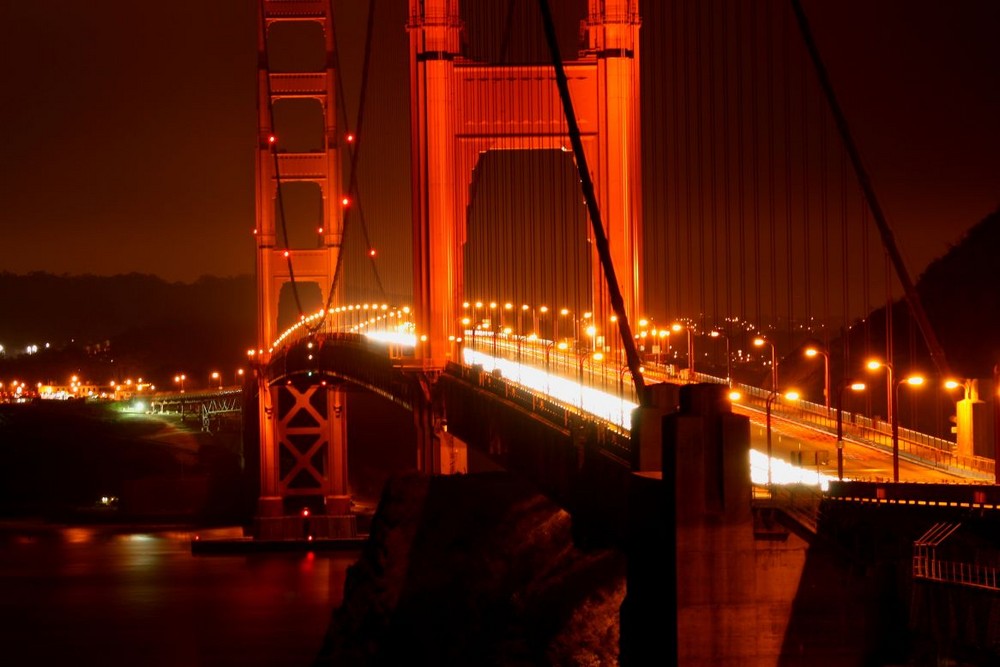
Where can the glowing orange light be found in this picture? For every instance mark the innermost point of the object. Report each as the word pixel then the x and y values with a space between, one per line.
pixel 372 252
pixel 320 230
pixel 345 201
pixel 286 253
pixel 350 138
pixel 271 139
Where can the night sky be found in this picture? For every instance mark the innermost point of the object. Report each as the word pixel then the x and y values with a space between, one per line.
pixel 130 127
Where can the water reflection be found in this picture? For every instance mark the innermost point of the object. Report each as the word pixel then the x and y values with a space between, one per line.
pixel 95 596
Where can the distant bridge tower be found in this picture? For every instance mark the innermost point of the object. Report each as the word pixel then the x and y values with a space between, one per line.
pixel 303 427
pixel 450 131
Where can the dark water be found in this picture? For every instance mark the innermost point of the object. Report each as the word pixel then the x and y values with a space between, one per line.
pixel 94 596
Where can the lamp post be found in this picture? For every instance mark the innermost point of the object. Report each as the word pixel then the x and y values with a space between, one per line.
pixel 677 328
pixel 874 365
pixel 913 381
pixel 476 320
pixel 760 341
pixel 811 352
pixel 543 310
pixel 580 356
pixel 179 379
pixel 641 337
pixel 621 388
pixel 729 369
pixel 562 313
pixel 854 386
pixel 591 332
pixel 217 378
pixel 493 327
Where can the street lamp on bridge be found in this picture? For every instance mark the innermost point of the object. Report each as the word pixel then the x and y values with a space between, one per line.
pixel 760 341
pixel 913 381
pixel 729 369
pixel 677 327
pixel 853 386
pixel 811 352
pixel 179 379
pixel 563 313
pixel 216 378
pixel 874 365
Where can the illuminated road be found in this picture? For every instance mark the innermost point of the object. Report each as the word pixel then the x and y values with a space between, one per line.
pixel 861 462
pixel 815 450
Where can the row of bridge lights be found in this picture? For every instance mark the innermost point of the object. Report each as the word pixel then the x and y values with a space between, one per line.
pixel 215 377
pixel 873 365
pixel 360 315
pixel 913 380
pixel 659 337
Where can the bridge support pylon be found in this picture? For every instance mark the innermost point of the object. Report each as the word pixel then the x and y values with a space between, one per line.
pixel 304 488
pixel 303 422
pixel 690 539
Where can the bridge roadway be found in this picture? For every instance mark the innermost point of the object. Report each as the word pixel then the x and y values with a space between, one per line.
pixel 803 433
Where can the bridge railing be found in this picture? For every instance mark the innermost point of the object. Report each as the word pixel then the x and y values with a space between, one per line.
pixel 917 446
pixel 611 438
pixel 366 318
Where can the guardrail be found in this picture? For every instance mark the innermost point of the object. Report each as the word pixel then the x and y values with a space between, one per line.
pixel 914 445
pixel 953 572
pixel 610 437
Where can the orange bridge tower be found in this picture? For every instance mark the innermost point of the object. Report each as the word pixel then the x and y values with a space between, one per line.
pixel 452 127
pixel 303 427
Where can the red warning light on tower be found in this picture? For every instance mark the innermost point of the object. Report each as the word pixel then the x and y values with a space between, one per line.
pixel 271 139
pixel 372 252
pixel 346 201
pixel 350 138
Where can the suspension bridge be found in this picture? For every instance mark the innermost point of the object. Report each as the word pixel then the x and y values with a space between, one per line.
pixel 615 218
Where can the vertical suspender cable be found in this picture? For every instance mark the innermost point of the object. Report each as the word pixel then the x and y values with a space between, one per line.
pixel 789 235
pixel 806 217
pixel 701 163
pixel 755 157
pixel 354 149
pixel 741 166
pixel 888 241
pixel 771 165
pixel 726 175
pixel 845 283
pixel 824 221
pixel 688 169
pixel 276 162
pixel 676 150
pixel 713 164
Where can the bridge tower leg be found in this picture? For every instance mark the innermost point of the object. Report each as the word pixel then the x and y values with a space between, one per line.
pixel 302 426
pixel 451 129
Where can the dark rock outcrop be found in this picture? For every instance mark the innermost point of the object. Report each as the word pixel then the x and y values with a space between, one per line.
pixel 475 570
